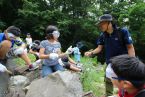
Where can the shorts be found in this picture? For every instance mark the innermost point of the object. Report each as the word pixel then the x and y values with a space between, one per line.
pixel 64 64
pixel 11 53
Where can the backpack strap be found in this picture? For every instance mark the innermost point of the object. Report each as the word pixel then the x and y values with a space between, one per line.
pixel 140 92
pixel 120 36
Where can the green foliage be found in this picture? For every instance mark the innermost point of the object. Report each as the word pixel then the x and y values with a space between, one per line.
pixel 2 25
pixel 137 25
pixel 137 20
pixel 76 19
pixel 93 79
pixel 21 62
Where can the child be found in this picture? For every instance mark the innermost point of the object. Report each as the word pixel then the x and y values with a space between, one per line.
pixel 34 49
pixel 28 41
pixel 77 54
pixel 128 74
pixel 50 51
pixel 7 49
pixel 68 63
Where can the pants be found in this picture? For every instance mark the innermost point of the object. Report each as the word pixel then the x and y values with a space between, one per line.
pixel 108 86
pixel 46 70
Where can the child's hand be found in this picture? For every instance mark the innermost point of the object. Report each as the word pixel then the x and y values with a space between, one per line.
pixel 69 50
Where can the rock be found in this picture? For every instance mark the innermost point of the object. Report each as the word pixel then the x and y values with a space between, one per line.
pixel 19 81
pixel 58 84
pixel 4 78
pixel 11 64
pixel 16 85
pixel 21 69
pixel 16 92
pixel 33 75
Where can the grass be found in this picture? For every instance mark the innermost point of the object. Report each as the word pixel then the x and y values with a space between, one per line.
pixel 92 77
pixel 20 62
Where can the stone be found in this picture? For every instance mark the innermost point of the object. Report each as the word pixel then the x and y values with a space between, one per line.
pixel 16 85
pixel 58 84
pixel 19 81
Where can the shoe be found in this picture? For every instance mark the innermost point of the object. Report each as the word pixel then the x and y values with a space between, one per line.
pixel 79 65
pixel 33 66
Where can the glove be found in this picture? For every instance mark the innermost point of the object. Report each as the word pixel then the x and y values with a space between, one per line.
pixel 69 50
pixel 19 51
pixel 53 56
pixel 2 68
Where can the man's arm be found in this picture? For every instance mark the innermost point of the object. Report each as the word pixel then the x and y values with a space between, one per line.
pixel 95 51
pixel 131 51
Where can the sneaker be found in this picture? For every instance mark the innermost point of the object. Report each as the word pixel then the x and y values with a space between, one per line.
pixel 33 66
pixel 79 65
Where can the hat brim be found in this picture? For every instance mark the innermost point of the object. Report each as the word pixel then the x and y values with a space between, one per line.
pixel 103 21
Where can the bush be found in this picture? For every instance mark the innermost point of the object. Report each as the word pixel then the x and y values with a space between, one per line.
pixel 92 78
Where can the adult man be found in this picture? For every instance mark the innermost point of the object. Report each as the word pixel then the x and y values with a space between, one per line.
pixel 115 41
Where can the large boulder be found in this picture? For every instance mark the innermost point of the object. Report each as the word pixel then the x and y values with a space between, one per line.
pixel 16 85
pixel 58 84
pixel 4 77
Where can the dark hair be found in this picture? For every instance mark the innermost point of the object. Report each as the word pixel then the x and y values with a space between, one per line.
pixel 114 25
pixel 49 30
pixel 129 68
pixel 14 30
pixel 37 42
